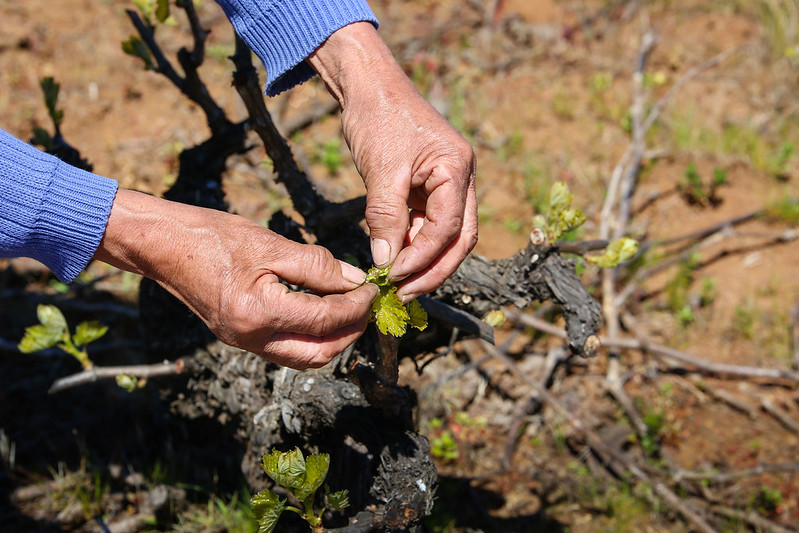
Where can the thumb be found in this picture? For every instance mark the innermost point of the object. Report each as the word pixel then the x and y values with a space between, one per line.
pixel 387 217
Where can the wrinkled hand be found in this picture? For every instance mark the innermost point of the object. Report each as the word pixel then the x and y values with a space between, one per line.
pixel 421 205
pixel 227 270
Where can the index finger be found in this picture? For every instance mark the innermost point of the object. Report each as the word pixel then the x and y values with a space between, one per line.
pixel 448 218
pixel 311 314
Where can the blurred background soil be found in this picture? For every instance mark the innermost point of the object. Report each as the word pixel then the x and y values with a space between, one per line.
pixel 543 90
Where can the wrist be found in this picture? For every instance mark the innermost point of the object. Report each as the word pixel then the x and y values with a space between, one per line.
pixel 138 228
pixel 355 62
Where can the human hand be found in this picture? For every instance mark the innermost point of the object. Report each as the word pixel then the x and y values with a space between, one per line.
pixel 421 205
pixel 227 270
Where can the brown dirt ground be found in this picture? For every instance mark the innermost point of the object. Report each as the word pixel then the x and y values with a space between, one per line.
pixel 535 106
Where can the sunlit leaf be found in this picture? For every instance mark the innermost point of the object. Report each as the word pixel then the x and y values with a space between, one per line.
pixel 389 313
pixel 617 252
pixel 316 467
pixel 559 197
pixel 87 332
pixel 38 338
pixel 285 468
pixel 266 508
pixel 494 318
pixel 51 317
pixel 127 382
pixel 417 315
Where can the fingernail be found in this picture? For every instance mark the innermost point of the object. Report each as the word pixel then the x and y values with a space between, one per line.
pixel 381 252
pixel 408 297
pixel 352 273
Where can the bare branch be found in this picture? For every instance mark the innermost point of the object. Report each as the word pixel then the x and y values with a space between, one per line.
pixel 644 345
pixel 620 464
pixel 167 368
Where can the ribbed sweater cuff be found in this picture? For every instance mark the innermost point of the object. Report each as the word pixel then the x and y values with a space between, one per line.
pixel 72 220
pixel 283 33
pixel 49 210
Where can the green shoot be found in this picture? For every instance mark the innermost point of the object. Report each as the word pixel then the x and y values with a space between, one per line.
pixel 137 48
pixel 157 8
pixel 302 477
pixel 618 252
pixel 561 218
pixel 389 313
pixel 52 330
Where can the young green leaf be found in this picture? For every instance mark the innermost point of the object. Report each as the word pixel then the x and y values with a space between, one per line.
pixel 562 217
pixel 127 382
pixel 560 198
pixel 267 508
pixel 162 10
pixel 137 48
pixel 285 468
pixel 87 332
pixel 50 89
pixel 51 317
pixel 316 467
pixel 37 338
pixel 417 315
pixel 390 315
pixel 338 500
pixel 494 318
pixel 50 331
pixel 617 252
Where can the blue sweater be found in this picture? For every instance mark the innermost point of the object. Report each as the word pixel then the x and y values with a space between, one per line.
pixel 56 213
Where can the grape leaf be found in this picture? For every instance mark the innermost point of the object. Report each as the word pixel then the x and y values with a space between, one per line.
pixel 285 468
pixel 338 500
pixel 417 314
pixel 316 466
pixel 266 508
pixel 389 313
pixel 617 252
pixel 50 331
pixel 87 332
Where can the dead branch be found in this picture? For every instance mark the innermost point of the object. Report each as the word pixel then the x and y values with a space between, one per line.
pixel 645 345
pixel 726 477
pixel 795 336
pixel 554 357
pixel 305 198
pixel 750 517
pixel 91 375
pixel 771 408
pixel 621 465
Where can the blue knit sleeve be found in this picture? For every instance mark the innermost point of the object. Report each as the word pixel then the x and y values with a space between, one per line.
pixel 49 210
pixel 285 32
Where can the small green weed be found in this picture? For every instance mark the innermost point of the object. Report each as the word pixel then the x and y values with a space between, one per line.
pixel 766 501
pixel 696 191
pixel 677 288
